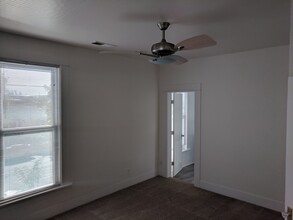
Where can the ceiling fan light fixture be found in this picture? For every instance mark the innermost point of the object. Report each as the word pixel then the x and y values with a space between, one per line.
pixel 163 60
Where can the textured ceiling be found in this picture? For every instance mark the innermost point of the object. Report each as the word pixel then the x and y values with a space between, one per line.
pixel 236 25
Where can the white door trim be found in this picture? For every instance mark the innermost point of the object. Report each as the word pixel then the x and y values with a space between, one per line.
pixel 164 142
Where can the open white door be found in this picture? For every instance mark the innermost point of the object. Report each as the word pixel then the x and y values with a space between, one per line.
pixel 177 138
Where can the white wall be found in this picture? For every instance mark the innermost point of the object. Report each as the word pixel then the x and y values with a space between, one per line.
pixel 289 149
pixel 110 123
pixel 243 122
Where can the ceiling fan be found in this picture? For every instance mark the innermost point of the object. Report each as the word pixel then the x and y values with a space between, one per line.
pixel 163 51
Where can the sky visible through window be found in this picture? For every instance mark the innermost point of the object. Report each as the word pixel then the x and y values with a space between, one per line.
pixel 27 82
pixel 28 98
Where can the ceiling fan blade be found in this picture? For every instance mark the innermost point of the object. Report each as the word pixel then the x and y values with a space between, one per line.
pixel 178 59
pixel 196 42
pixel 147 54
pixel 127 52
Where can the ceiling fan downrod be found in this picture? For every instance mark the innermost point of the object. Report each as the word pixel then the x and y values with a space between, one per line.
pixel 163 48
pixel 163 26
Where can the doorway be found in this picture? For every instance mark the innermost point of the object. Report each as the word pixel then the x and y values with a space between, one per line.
pixel 164 151
pixel 182 135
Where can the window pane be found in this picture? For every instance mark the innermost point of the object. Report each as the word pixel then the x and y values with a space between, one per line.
pixel 28 162
pixel 27 100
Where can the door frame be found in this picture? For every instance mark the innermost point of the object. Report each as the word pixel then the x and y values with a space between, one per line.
pixel 165 128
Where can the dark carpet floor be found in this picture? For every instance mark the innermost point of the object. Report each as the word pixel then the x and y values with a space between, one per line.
pixel 167 199
pixel 186 174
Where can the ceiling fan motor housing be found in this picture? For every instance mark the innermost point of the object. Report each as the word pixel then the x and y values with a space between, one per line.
pixel 163 48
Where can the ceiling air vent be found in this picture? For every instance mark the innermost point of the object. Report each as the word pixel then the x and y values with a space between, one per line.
pixel 98 43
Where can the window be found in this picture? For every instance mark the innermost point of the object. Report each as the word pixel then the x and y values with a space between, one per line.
pixel 30 129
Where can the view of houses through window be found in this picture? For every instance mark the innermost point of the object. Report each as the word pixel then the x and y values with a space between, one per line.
pixel 29 128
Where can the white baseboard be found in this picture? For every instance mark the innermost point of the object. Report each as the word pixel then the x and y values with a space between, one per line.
pixel 244 196
pixel 71 203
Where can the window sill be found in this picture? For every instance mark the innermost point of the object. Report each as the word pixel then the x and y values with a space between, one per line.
pixel 33 194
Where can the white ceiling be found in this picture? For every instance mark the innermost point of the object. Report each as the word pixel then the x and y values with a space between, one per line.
pixel 236 25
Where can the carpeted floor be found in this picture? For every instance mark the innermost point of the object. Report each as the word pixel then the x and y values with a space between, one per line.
pixel 167 199
pixel 186 174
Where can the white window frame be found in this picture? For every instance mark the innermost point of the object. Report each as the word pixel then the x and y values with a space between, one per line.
pixel 55 128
